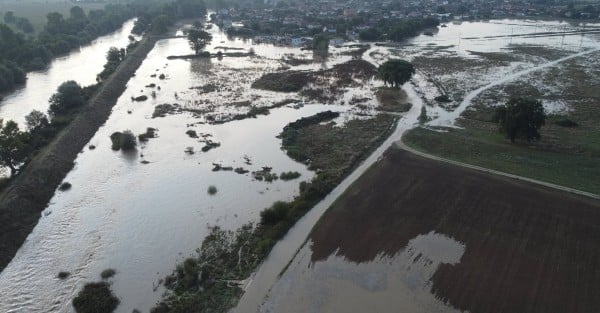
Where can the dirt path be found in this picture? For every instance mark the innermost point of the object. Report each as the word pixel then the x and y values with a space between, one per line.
pixel 30 192
pixel 402 145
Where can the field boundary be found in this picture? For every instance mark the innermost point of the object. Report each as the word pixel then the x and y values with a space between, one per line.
pixel 400 144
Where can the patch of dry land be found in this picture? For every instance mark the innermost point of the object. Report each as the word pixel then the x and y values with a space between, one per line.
pixel 418 235
pixel 569 149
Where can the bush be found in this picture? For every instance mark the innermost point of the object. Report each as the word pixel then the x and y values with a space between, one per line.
pixel 289 175
pixel 212 190
pixel 276 213
pixel 65 186
pixel 95 297
pixel 123 141
pixel 108 273
pixel 565 122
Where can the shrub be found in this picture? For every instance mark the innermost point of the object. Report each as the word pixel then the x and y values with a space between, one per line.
pixel 289 175
pixel 95 297
pixel 63 275
pixel 108 273
pixel 65 186
pixel 212 190
pixel 123 141
pixel 276 213
pixel 565 122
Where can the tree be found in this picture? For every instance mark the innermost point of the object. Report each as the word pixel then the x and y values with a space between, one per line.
pixel 77 13
pixel 198 39
pixel 521 118
pixel 13 146
pixel 68 96
pixel 396 72
pixel 321 43
pixel 9 17
pixel 35 120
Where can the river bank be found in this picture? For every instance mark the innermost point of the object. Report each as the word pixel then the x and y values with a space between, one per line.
pixel 429 233
pixel 28 194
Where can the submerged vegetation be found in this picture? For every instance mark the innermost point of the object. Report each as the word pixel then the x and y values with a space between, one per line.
pixel 123 141
pixel 94 298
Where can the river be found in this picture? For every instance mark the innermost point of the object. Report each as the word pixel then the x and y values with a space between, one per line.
pixel 80 65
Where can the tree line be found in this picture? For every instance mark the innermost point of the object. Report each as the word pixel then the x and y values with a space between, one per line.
pixel 397 30
pixel 20 54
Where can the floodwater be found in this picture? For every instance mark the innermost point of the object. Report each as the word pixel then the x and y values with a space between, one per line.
pixel 276 286
pixel 399 283
pixel 141 213
pixel 500 37
pixel 80 65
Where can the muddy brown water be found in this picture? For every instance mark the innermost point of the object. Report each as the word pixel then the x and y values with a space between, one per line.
pixel 425 236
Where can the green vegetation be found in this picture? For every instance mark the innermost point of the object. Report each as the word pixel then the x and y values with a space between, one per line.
pixel 321 43
pixel 397 30
pixel 423 118
pixel 289 175
pixel 292 131
pixel 63 275
pixel 20 54
pixel 68 97
pixel 396 72
pixel 149 134
pixel 65 186
pixel 123 141
pixel 94 298
pixel 212 190
pixel 565 122
pixel 108 273
pixel 482 147
pixel 521 118
pixel 198 39
pixel 14 147
pixel 211 281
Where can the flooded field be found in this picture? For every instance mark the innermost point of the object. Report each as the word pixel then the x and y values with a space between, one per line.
pixel 418 235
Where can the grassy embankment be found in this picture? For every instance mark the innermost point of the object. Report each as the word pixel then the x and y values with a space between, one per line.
pixel 565 155
pixel 213 279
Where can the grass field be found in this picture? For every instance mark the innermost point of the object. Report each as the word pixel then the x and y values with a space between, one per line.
pixel 579 170
pixel 36 10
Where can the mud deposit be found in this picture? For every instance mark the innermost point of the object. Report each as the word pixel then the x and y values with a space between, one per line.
pixel 422 236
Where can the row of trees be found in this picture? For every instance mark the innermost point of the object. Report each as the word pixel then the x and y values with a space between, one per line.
pixel 19 54
pixel 21 23
pixel 397 30
pixel 17 145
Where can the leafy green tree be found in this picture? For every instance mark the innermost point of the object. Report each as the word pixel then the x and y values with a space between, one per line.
pixel 24 25
pixel 77 13
pixel 321 43
pixel 521 118
pixel 13 146
pixel 160 24
pixel 68 96
pixel 35 120
pixel 9 17
pixel 198 39
pixel 396 72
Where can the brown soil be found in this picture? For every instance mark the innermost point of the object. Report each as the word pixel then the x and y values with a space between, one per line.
pixel 339 76
pixel 30 192
pixel 528 248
